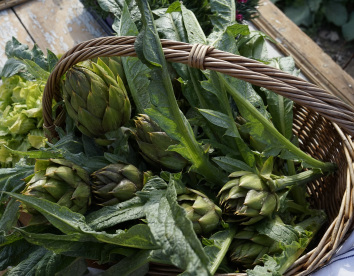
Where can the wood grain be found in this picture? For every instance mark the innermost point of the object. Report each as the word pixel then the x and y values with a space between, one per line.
pixel 315 64
pixel 10 26
pixel 58 25
pixel 5 4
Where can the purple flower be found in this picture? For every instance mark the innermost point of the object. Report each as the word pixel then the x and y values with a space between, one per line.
pixel 239 17
pixel 242 1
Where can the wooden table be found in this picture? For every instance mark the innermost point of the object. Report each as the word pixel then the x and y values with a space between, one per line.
pixel 57 25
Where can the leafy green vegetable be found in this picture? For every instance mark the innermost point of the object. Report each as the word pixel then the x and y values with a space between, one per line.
pixel 222 126
pixel 262 129
pixel 20 117
pixel 166 111
pixel 14 253
pixel 292 241
pixel 28 64
pixel 171 228
pixel 11 179
pixel 74 224
pixel 112 215
pixel 220 243
pixel 136 264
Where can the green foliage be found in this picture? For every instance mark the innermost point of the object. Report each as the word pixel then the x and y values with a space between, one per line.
pixel 312 14
pixel 221 126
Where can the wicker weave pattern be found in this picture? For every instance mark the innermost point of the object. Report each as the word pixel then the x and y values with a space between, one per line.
pixel 318 122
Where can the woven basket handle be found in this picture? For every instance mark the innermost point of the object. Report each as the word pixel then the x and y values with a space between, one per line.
pixel 201 57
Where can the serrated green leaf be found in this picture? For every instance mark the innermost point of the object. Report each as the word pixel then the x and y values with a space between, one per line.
pixel 62 218
pixel 71 267
pixel 112 215
pixel 138 236
pixel 217 118
pixel 11 179
pixel 174 7
pixel 35 70
pixel 10 216
pixel 72 223
pixel 12 67
pixel 52 60
pixel 231 165
pixel 173 231
pixel 54 264
pixel 37 154
pixel 194 31
pixel 216 251
pixel 34 61
pixel 74 245
pixel 27 267
pixel 136 72
pixel 14 48
pixel 278 231
pixel 12 254
pixel 116 7
pixel 281 108
pixel 134 265
pixel 224 13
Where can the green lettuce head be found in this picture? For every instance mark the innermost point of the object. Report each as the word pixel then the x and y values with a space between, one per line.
pixel 20 117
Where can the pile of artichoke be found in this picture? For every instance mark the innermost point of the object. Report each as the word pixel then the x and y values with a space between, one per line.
pixel 97 101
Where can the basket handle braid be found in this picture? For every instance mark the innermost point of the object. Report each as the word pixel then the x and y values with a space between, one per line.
pixel 254 72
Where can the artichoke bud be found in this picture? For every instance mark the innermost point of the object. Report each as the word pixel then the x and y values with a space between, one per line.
pixel 60 181
pixel 247 253
pixel 96 99
pixel 116 183
pixel 204 214
pixel 249 247
pixel 154 143
pixel 248 196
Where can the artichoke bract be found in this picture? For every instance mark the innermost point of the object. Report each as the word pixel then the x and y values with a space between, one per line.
pixel 116 183
pixel 62 182
pixel 154 142
pixel 96 99
pixel 249 247
pixel 255 196
pixel 249 196
pixel 203 212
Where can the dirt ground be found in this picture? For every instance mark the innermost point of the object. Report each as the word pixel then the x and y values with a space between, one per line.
pixel 342 52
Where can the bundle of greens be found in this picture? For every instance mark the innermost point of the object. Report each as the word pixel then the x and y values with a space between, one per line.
pixel 163 163
pixel 23 79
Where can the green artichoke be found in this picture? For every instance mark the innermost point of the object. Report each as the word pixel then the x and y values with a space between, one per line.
pixel 154 142
pixel 249 247
pixel 62 182
pixel 204 213
pixel 249 196
pixel 255 196
pixel 116 183
pixel 96 99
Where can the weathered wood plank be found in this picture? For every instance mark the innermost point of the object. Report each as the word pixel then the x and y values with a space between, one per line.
pixel 58 25
pixel 5 4
pixel 315 64
pixel 10 26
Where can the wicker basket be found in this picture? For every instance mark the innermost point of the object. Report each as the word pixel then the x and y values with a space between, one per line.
pixel 322 123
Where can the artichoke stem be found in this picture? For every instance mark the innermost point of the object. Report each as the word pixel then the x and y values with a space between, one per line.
pixel 297 179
